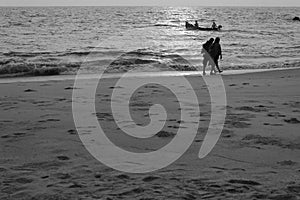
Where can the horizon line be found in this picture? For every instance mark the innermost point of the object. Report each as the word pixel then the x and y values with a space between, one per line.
pixel 282 6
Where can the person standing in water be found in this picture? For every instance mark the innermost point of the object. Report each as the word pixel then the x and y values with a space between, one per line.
pixel 214 25
pixel 205 51
pixel 215 52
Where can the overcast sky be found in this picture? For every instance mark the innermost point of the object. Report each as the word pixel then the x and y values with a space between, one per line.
pixel 150 2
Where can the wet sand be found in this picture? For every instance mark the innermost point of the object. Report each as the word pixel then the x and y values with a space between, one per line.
pixel 257 156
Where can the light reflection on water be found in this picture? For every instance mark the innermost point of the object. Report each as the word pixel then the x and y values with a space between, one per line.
pixel 251 37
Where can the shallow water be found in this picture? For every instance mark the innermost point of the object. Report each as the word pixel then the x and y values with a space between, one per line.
pixel 63 37
pixel 130 75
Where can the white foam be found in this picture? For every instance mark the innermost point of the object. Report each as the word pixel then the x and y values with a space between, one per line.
pixel 138 74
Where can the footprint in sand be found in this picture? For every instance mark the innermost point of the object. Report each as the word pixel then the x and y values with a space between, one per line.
pixel 151 86
pixel 46 84
pixel 24 180
pixel 227 133
pixel 3 170
pixel 71 88
pixel 63 158
pixel 275 114
pixel 252 109
pixel 226 169
pixel 234 120
pixel 60 99
pixel 19 134
pixel 295 104
pixel 49 120
pixel 29 90
pixel 262 106
pixel 117 87
pixel 237 124
pixel 244 182
pixel 15 135
pixel 151 178
pixel 287 163
pixel 63 175
pixel 72 132
pixel 273 141
pixel 156 91
pixel 294 189
pixel 176 127
pixel 53 120
pixel 268 124
pixel 283 197
pixel 188 197
pixel 105 116
pixel 292 121
pixel 165 134
pixel 75 185
pixel 134 191
pixel 122 176
pixel 98 175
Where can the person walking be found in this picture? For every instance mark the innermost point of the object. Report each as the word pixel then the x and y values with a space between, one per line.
pixel 205 51
pixel 216 53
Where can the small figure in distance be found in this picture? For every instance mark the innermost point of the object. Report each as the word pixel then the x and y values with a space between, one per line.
pixel 205 51
pixel 196 24
pixel 188 25
pixel 214 25
pixel 296 19
pixel 215 53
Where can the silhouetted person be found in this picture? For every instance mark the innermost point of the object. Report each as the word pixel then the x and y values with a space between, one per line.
pixel 186 24
pixel 214 25
pixel 216 53
pixel 196 24
pixel 205 51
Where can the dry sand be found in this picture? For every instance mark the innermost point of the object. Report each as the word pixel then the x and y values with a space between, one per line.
pixel 257 156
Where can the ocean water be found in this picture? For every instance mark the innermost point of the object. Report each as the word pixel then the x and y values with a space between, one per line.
pixel 59 40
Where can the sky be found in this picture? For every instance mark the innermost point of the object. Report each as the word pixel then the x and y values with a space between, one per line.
pixel 269 3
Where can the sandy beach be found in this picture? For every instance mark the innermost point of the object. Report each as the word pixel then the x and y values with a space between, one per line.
pixel 257 156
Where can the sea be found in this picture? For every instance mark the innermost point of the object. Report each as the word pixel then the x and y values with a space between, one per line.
pixel 36 41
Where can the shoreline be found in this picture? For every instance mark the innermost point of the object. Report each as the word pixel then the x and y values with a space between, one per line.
pixel 25 79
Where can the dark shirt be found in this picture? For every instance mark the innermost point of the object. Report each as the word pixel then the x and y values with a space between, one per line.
pixel 214 25
pixel 206 47
pixel 215 50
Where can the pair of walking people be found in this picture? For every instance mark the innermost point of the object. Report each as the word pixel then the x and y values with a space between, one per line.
pixel 211 53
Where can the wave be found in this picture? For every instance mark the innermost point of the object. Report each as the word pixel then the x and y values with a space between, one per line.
pixel 166 25
pixel 26 54
pixel 270 65
pixel 29 70
pixel 139 60
pixel 44 63
pixel 90 50
pixel 256 56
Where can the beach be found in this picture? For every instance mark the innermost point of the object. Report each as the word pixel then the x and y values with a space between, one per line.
pixel 256 157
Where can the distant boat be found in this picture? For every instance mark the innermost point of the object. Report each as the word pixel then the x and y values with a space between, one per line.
pixel 189 26
pixel 296 19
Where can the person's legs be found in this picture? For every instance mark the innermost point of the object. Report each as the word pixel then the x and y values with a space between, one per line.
pixel 213 69
pixel 205 61
pixel 213 66
pixel 217 65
